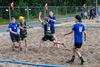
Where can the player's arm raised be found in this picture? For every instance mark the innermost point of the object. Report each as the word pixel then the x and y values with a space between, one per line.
pixel 40 15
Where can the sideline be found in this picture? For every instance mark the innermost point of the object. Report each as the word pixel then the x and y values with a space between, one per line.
pixel 28 63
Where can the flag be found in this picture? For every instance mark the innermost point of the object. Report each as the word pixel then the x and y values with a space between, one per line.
pixel 12 6
pixel 95 1
pixel 46 6
pixel 0 1
pixel 84 5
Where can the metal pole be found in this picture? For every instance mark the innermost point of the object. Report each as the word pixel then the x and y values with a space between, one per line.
pixel 28 13
pixel 57 11
pixel 66 10
pixel 9 14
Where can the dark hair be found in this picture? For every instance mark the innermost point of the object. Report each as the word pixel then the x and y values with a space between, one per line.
pixel 78 17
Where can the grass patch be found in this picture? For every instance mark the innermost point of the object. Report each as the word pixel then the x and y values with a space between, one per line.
pixel 3 22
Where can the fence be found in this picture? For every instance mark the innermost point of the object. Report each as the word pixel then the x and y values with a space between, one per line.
pixel 32 12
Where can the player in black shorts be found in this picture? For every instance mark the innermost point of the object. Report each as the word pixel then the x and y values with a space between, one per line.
pixel 79 30
pixel 48 35
pixel 13 29
pixel 23 30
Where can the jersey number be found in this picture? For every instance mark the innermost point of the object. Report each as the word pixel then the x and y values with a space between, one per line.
pixel 80 29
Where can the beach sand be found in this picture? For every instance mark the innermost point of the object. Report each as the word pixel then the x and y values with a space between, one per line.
pixel 50 54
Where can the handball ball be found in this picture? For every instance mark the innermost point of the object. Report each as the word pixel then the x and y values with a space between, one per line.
pixel 21 18
pixel 46 19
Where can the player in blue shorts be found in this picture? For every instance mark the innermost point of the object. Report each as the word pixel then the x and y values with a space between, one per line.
pixel 79 30
pixel 15 37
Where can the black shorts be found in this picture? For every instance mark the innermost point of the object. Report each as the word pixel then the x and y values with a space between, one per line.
pixel 77 45
pixel 53 31
pixel 23 35
pixel 15 38
pixel 50 38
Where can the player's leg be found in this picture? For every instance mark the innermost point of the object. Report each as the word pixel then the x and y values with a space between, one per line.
pixel 19 41
pixel 74 52
pixel 13 46
pixel 58 43
pixel 25 40
pixel 13 41
pixel 90 16
pixel 24 36
pixel 20 46
pixel 42 41
pixel 53 39
pixel 73 56
pixel 79 54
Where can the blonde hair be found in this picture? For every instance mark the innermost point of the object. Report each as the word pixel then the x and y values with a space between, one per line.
pixel 21 18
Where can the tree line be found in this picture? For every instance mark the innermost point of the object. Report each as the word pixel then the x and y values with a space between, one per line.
pixel 50 2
